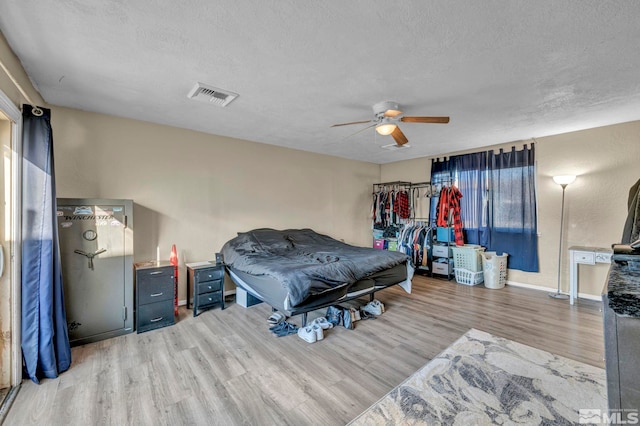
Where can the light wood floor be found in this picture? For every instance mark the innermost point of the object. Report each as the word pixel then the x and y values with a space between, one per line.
pixel 224 367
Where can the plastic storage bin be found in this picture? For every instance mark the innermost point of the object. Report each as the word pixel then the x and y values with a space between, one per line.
pixel 442 268
pixel 445 235
pixel 495 269
pixel 380 243
pixel 392 245
pixel 468 257
pixel 466 277
pixel 441 251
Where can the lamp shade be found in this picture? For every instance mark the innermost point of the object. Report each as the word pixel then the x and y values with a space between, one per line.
pixel 385 129
pixel 564 179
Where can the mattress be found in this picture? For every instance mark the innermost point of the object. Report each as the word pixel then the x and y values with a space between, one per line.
pixel 299 267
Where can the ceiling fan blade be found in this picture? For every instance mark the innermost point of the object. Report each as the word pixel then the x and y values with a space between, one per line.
pixel 361 130
pixel 443 120
pixel 399 137
pixel 353 122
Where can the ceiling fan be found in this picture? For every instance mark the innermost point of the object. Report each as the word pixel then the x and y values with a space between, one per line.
pixel 387 115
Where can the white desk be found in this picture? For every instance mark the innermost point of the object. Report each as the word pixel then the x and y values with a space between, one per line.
pixel 585 256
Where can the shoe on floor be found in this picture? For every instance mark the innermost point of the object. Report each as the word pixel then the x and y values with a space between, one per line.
pixel 276 318
pixel 308 334
pixel 379 303
pixel 319 332
pixel 278 326
pixel 322 322
pixel 286 329
pixel 364 315
pixel 372 308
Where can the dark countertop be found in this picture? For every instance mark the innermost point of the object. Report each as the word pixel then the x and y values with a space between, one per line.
pixel 623 288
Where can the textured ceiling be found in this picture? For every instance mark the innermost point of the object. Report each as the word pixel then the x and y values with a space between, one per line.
pixel 502 70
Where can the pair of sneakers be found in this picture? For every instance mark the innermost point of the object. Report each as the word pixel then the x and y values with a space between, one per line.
pixel 375 308
pixel 315 330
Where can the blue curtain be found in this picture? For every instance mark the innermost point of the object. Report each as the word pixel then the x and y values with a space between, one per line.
pixel 472 181
pixel 498 205
pixel 512 207
pixel 45 342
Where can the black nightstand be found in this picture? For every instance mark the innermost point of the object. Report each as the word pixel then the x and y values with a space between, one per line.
pixel 207 282
pixel 154 283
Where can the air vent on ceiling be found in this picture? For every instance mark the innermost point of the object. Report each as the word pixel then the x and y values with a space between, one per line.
pixel 394 146
pixel 212 95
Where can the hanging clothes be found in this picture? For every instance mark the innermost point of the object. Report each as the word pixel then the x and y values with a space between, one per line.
pixel 414 240
pixel 390 206
pixel 449 205
pixel 401 206
pixel 421 201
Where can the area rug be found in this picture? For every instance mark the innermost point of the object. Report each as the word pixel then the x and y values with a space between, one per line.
pixel 482 380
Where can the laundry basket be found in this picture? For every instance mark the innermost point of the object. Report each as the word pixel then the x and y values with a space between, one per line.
pixel 495 269
pixel 466 277
pixel 468 257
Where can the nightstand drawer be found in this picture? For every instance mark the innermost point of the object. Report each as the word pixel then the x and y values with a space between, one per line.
pixel 155 291
pixel 207 299
pixel 209 286
pixel 155 315
pixel 209 274
pixel 153 274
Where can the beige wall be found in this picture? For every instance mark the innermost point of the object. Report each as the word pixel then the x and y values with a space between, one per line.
pixel 197 190
pixel 13 65
pixel 605 159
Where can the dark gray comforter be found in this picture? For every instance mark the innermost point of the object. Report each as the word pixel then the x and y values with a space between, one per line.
pixel 304 261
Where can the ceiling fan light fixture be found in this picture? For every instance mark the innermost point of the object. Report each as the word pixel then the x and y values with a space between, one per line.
pixel 385 128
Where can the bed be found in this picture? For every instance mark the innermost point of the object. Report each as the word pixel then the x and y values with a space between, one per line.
pixel 296 271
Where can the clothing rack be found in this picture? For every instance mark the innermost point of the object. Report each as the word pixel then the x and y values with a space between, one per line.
pixel 390 204
pixel 399 184
pixel 412 189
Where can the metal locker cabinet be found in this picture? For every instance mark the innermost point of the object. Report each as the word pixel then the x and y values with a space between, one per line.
pixel 96 250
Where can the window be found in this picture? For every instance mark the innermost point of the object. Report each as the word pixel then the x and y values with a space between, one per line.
pixel 498 205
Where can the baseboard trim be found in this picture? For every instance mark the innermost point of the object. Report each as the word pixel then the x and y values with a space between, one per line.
pixel 551 290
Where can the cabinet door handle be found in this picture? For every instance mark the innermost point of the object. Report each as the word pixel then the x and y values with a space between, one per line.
pixel 157 319
pixel 155 273
pixel 156 294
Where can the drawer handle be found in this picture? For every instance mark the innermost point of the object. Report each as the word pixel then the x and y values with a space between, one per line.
pixel 209 287
pixel 210 299
pixel 157 319
pixel 155 273
pixel 157 294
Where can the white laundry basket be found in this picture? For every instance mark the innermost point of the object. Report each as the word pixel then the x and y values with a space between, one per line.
pixel 495 269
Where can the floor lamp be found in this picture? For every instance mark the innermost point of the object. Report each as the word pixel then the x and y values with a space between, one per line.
pixel 563 181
